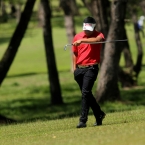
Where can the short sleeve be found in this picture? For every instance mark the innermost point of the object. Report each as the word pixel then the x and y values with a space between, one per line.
pixel 101 35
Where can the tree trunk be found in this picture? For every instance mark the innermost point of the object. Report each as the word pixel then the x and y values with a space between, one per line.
pixel 99 10
pixel 126 76
pixel 93 7
pixel 69 25
pixel 101 13
pixel 127 54
pixel 142 5
pixel 69 22
pixel 55 90
pixel 40 15
pixel 108 80
pixel 11 51
pixel 4 17
pixel 18 13
pixel 104 15
pixel 13 10
pixel 70 32
pixel 68 18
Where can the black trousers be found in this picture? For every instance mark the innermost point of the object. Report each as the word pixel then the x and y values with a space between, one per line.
pixel 85 77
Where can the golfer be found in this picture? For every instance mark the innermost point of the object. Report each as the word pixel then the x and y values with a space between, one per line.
pixel 140 24
pixel 86 58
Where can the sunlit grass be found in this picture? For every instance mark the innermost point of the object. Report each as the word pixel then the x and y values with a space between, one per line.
pixel 118 128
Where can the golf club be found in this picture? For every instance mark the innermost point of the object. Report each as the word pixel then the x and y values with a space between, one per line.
pixel 111 41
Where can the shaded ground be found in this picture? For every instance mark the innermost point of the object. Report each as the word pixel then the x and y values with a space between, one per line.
pixel 5 120
pixel 28 110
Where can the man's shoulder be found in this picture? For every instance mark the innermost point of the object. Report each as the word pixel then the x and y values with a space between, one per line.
pixel 97 33
pixel 80 34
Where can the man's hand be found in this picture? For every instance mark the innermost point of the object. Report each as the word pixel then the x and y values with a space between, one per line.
pixel 77 43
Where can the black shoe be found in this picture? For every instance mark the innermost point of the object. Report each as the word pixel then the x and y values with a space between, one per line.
pixel 81 125
pixel 100 119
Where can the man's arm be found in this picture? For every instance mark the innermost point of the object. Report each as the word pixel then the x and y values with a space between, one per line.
pixel 87 40
pixel 74 61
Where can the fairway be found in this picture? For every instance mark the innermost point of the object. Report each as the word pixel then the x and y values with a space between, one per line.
pixel 123 128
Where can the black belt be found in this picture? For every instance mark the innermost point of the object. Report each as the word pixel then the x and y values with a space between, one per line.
pixel 87 66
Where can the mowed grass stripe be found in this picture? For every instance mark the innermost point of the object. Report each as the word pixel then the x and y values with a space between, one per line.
pixel 121 128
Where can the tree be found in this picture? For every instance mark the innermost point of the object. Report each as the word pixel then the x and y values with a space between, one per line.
pixel 129 78
pixel 134 70
pixel 127 54
pixel 4 15
pixel 70 9
pixel 55 90
pixel 14 44
pixel 108 80
pixel 99 10
pixel 68 18
pixel 142 5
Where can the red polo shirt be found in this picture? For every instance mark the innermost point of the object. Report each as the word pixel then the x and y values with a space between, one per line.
pixel 87 54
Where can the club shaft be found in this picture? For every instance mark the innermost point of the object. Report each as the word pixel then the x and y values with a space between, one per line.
pixel 111 41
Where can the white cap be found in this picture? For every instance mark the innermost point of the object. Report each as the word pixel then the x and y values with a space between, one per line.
pixel 88 26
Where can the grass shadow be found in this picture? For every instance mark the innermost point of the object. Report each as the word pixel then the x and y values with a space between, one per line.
pixel 32 109
pixel 25 74
pixel 134 96
pixel 4 40
pixel 28 110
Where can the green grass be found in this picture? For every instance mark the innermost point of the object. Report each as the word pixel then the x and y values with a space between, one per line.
pixel 121 128
pixel 25 97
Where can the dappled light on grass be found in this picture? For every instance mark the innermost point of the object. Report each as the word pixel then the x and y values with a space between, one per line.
pixel 31 101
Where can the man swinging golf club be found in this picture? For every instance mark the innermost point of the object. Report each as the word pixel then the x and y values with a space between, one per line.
pixel 86 58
